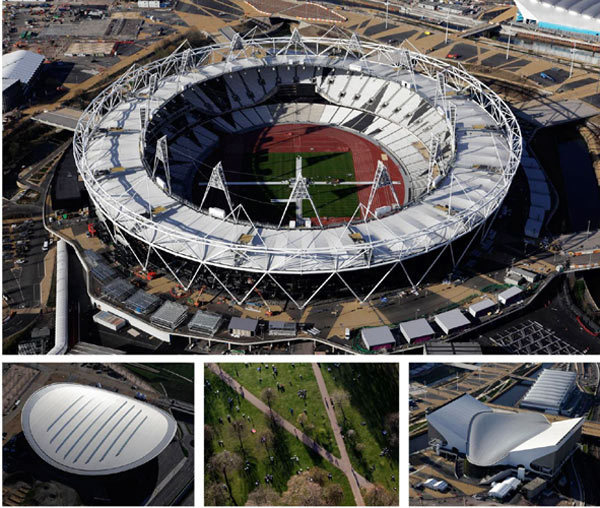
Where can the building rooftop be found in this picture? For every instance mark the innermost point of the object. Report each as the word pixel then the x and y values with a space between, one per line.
pixel 416 329
pixel 550 390
pixel 377 336
pixel 452 320
pixel 20 65
pixel 247 324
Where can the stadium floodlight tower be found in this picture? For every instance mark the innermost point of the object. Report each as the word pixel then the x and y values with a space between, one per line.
pixel 299 194
pixel 448 176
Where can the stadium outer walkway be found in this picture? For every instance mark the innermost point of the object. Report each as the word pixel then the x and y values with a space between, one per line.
pixel 354 479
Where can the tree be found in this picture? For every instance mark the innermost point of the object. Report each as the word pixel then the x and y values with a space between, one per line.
pixel 377 495
pixel 341 397
pixel 240 430
pixel 266 438
pixel 268 396
pixel 302 492
pixel 392 424
pixel 318 475
pixel 333 494
pixel 360 447
pixel 216 494
pixel 209 435
pixel 263 496
pixel 226 462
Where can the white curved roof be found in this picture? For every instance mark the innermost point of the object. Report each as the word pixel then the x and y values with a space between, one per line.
pixel 493 435
pixel 577 14
pixel 453 419
pixel 92 431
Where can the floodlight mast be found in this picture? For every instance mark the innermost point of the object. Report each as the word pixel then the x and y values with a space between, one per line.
pixel 381 180
pixel 299 193
pixel 217 181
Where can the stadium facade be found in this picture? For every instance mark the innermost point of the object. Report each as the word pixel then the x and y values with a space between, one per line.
pixel 143 149
pixel 91 431
pixel 569 15
pixel 491 439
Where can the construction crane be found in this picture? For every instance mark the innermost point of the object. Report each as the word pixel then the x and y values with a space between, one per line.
pixel 269 312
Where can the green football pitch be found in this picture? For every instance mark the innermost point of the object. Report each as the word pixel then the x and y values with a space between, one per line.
pixel 332 200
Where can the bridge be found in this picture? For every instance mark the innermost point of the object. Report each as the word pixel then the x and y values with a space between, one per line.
pixel 479 29
pixel 64 118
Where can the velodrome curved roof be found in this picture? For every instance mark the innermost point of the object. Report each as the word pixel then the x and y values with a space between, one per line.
pixel 109 152
pixel 21 65
pixel 92 431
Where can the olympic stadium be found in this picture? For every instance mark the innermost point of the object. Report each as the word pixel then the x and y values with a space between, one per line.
pixel 295 164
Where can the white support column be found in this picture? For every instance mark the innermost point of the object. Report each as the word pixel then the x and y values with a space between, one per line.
pixel 162 157
pixel 217 181
pixel 451 112
pixel 440 91
pixel 433 153
pixel 380 180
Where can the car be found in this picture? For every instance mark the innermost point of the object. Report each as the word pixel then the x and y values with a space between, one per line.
pixel 46 246
pixel 20 261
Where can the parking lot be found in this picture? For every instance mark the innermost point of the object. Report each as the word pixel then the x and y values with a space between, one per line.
pixel 23 262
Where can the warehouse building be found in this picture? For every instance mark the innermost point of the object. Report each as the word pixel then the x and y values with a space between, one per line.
pixel 243 327
pixel 491 439
pixel 20 70
pixel 417 330
pixel 482 308
pixel 551 391
pixel 452 321
pixel 377 338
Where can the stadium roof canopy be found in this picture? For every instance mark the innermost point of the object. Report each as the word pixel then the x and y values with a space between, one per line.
pixel 91 431
pixel 21 65
pixel 551 390
pixel 577 15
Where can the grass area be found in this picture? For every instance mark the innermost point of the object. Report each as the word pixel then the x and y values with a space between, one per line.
pixel 293 377
pixel 335 200
pixel 158 376
pixel 373 395
pixel 281 446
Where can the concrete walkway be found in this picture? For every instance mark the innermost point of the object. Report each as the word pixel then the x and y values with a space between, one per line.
pixel 354 479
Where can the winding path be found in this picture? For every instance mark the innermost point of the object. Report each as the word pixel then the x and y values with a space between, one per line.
pixel 354 479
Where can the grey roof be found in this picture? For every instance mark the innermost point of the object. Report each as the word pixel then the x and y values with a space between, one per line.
pixel 452 320
pixel 484 304
pixel 282 325
pixel 36 333
pixel 452 348
pixel 550 390
pixel 510 292
pixel 377 336
pixel 415 329
pixel 238 323
pixel 21 65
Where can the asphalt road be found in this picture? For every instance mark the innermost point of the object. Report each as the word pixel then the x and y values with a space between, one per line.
pixel 29 274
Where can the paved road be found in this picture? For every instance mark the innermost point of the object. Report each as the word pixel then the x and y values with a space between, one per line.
pixel 356 481
pixel 353 477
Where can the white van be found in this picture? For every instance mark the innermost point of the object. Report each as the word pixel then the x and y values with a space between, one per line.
pixel 45 246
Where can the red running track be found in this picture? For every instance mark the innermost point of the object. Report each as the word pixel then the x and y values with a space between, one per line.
pixel 289 138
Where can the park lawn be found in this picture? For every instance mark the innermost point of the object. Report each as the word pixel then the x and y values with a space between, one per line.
pixel 242 482
pixel 364 406
pixel 158 377
pixel 289 376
